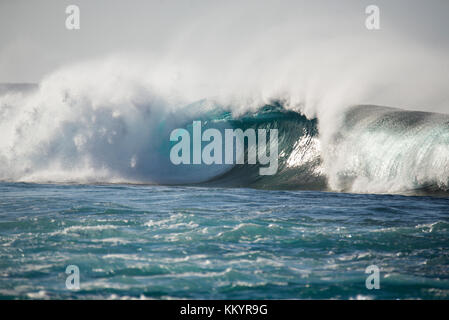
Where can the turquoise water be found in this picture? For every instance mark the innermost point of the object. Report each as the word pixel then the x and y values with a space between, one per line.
pixel 136 241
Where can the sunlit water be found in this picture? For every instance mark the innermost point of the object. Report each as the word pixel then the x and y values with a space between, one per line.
pixel 213 243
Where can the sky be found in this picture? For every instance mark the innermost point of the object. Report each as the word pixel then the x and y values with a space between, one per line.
pixel 34 40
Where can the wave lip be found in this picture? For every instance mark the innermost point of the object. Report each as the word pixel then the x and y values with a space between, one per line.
pixel 300 162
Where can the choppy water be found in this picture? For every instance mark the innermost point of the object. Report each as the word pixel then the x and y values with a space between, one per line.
pixel 185 242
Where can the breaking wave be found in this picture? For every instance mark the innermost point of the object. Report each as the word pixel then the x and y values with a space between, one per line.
pixel 81 131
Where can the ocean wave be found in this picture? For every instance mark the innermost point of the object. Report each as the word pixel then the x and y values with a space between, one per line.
pixel 83 132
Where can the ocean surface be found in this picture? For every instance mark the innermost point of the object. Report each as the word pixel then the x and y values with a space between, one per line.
pixel 169 242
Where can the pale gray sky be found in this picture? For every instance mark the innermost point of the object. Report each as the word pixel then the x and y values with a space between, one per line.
pixel 34 40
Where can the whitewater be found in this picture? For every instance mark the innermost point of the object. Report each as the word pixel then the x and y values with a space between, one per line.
pixel 110 121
